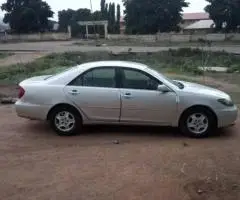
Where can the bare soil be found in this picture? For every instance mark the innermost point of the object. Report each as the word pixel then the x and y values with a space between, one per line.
pixel 79 45
pixel 148 163
pixel 8 90
pixel 20 58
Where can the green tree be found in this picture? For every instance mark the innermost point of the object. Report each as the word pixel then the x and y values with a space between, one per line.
pixel 71 17
pixel 25 16
pixel 151 16
pixel 118 19
pixel 106 11
pixel 83 14
pixel 65 18
pixel 224 12
pixel 111 18
pixel 102 4
pixel 97 15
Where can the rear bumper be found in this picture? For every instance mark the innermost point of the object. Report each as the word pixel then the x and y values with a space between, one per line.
pixel 31 111
pixel 227 117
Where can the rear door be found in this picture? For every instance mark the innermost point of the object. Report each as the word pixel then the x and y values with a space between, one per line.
pixel 96 94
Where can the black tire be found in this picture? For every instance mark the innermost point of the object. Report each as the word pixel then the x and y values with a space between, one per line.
pixel 76 128
pixel 212 122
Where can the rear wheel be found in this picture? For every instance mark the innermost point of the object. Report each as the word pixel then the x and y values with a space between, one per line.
pixel 65 120
pixel 198 122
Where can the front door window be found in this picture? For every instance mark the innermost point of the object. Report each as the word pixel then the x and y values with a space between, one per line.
pixel 134 79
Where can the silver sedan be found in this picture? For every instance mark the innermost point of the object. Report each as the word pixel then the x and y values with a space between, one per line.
pixel 117 92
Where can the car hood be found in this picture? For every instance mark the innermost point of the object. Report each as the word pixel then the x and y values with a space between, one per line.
pixel 204 90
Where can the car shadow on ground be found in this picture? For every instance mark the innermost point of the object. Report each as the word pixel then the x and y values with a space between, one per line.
pixel 98 130
pixel 147 131
pixel 128 130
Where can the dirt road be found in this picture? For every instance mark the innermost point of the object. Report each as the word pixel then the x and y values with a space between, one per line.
pixel 29 51
pixel 19 58
pixel 65 46
pixel 148 163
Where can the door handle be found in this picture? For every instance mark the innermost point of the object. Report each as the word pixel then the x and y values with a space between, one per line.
pixel 127 95
pixel 74 92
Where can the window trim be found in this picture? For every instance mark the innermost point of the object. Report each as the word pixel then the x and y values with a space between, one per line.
pixel 121 72
pixel 91 69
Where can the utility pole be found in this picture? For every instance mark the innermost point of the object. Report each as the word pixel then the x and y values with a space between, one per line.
pixel 94 25
pixel 91 5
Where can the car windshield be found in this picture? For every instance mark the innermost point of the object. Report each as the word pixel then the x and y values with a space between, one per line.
pixel 176 83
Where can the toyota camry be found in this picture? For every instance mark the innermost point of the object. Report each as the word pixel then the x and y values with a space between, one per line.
pixel 119 92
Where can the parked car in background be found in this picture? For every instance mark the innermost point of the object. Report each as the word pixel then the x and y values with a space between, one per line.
pixel 118 92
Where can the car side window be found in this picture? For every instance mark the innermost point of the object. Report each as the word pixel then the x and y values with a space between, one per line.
pixel 135 79
pixel 98 77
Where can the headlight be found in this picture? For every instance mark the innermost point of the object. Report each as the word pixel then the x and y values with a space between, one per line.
pixel 226 102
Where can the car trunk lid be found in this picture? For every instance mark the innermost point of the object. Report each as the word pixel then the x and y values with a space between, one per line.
pixel 35 79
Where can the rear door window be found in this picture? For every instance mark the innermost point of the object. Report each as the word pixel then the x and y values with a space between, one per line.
pixel 98 77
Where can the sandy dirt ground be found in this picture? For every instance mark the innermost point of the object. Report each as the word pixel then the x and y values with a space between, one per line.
pixel 19 58
pixel 63 46
pixel 148 163
pixel 9 90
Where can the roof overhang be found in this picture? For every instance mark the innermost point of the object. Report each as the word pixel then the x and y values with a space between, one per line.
pixel 92 23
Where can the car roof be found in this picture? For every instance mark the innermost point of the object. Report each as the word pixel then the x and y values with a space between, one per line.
pixel 128 64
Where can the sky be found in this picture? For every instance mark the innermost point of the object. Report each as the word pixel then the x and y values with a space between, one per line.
pixel 56 5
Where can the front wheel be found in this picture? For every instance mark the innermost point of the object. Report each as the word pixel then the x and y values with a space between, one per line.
pixel 198 123
pixel 65 121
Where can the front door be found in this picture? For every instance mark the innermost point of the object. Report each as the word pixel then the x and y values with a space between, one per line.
pixel 142 103
pixel 96 95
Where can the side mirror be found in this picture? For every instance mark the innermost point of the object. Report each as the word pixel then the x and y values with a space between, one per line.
pixel 163 88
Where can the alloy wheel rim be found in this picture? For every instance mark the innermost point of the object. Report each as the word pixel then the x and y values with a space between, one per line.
pixel 197 123
pixel 64 121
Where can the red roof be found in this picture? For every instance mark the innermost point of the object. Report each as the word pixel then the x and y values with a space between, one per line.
pixel 195 16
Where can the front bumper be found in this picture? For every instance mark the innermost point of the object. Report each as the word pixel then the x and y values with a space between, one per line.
pixel 227 116
pixel 31 111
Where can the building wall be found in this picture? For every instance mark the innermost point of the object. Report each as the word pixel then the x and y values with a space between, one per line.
pixel 197 31
pixel 186 23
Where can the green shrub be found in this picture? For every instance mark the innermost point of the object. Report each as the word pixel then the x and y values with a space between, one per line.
pixel 183 60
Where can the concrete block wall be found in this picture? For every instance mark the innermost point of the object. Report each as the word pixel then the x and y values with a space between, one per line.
pixel 180 38
pixel 145 38
pixel 216 37
pixel 232 37
pixel 117 37
pixel 170 37
pixel 195 38
pixel 36 37
pixel 149 38
pixel 164 37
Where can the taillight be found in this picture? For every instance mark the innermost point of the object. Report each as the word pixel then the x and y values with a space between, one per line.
pixel 21 92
